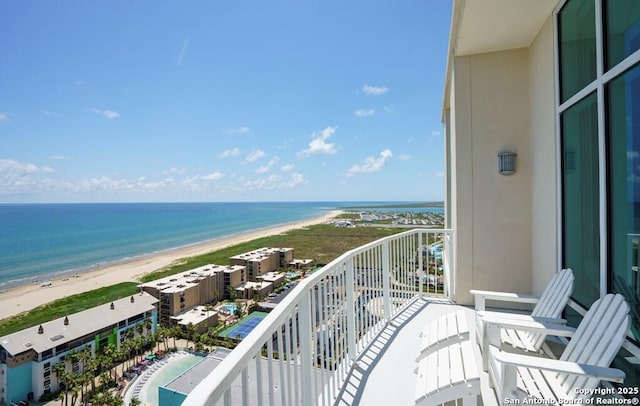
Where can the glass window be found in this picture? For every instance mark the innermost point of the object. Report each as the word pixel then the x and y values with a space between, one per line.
pixel 577 31
pixel 622 29
pixel 580 202
pixel 623 135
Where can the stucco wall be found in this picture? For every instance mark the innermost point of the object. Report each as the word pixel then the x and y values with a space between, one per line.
pixel 492 213
pixel 544 176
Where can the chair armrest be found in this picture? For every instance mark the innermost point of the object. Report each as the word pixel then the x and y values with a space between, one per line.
pixel 482 295
pixel 533 326
pixel 523 317
pixel 554 365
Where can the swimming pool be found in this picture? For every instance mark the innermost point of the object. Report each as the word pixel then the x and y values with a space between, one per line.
pixel 177 365
pixel 229 308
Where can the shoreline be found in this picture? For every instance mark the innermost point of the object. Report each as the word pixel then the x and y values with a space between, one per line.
pixel 22 298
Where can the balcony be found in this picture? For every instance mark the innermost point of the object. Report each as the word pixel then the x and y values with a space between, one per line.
pixel 348 334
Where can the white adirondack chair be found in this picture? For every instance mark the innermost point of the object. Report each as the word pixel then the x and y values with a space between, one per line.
pixel 548 310
pixel 583 364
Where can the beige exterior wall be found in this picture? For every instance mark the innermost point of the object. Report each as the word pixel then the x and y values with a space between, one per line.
pixel 235 277
pixel 544 170
pixel 491 213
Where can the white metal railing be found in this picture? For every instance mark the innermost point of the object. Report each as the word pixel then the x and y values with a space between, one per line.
pixel 303 350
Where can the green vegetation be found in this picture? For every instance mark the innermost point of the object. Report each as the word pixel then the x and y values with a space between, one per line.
pixel 322 242
pixel 66 306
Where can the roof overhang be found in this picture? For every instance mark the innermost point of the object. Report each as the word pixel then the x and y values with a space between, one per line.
pixel 481 26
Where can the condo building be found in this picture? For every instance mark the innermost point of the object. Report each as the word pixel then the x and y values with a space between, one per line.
pixel 27 357
pixel 181 292
pixel 263 260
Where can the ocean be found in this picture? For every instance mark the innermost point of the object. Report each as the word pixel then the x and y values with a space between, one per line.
pixel 43 241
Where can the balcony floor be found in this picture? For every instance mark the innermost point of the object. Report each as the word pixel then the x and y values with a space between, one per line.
pixel 385 372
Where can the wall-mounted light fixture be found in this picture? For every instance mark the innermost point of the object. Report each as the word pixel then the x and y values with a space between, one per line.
pixel 507 163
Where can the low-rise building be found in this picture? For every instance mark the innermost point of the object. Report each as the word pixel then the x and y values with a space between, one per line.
pixel 249 290
pixel 275 278
pixel 263 260
pixel 302 264
pixel 28 357
pixel 199 317
pixel 202 285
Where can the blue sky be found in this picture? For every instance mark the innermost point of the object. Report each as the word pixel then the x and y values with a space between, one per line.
pixel 333 100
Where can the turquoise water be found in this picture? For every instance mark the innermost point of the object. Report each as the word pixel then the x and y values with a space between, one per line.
pixel 229 308
pixel 168 373
pixel 41 241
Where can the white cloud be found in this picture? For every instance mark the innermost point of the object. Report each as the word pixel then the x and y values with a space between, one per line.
pixel 240 130
pixel 108 114
pixel 272 182
pixel 255 155
pixel 183 52
pixel 265 168
pixel 404 157
pixel 287 167
pixel 364 113
pixel 10 167
pixel 374 90
pixel 50 114
pixel 371 164
pixel 175 171
pixel 318 145
pixel 230 152
pixel 19 177
pixel 4 117
pixel 295 180
pixel 213 176
pixel 58 158
pixel 435 133
pixel 389 109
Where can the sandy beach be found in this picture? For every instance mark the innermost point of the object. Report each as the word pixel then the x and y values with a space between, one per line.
pixel 27 297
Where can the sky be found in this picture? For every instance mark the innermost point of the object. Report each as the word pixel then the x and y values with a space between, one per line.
pixel 148 101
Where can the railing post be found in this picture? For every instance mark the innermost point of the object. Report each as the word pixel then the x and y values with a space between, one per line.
pixel 306 329
pixel 351 311
pixel 449 268
pixel 386 281
pixel 420 271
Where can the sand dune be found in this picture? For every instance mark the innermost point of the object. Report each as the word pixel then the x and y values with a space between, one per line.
pixel 27 297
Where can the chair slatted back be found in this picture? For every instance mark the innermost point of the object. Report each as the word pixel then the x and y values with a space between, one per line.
pixel 553 301
pixel 596 341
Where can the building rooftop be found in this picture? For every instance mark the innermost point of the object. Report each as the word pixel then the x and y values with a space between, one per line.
pixel 74 326
pixel 260 253
pixel 253 285
pixel 178 282
pixel 195 315
pixel 271 276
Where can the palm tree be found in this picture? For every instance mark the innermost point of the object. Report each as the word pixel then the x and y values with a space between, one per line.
pixel 190 331
pixel 231 291
pixel 58 371
pixel 163 335
pixel 135 402
pixel 148 325
pixel 176 332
